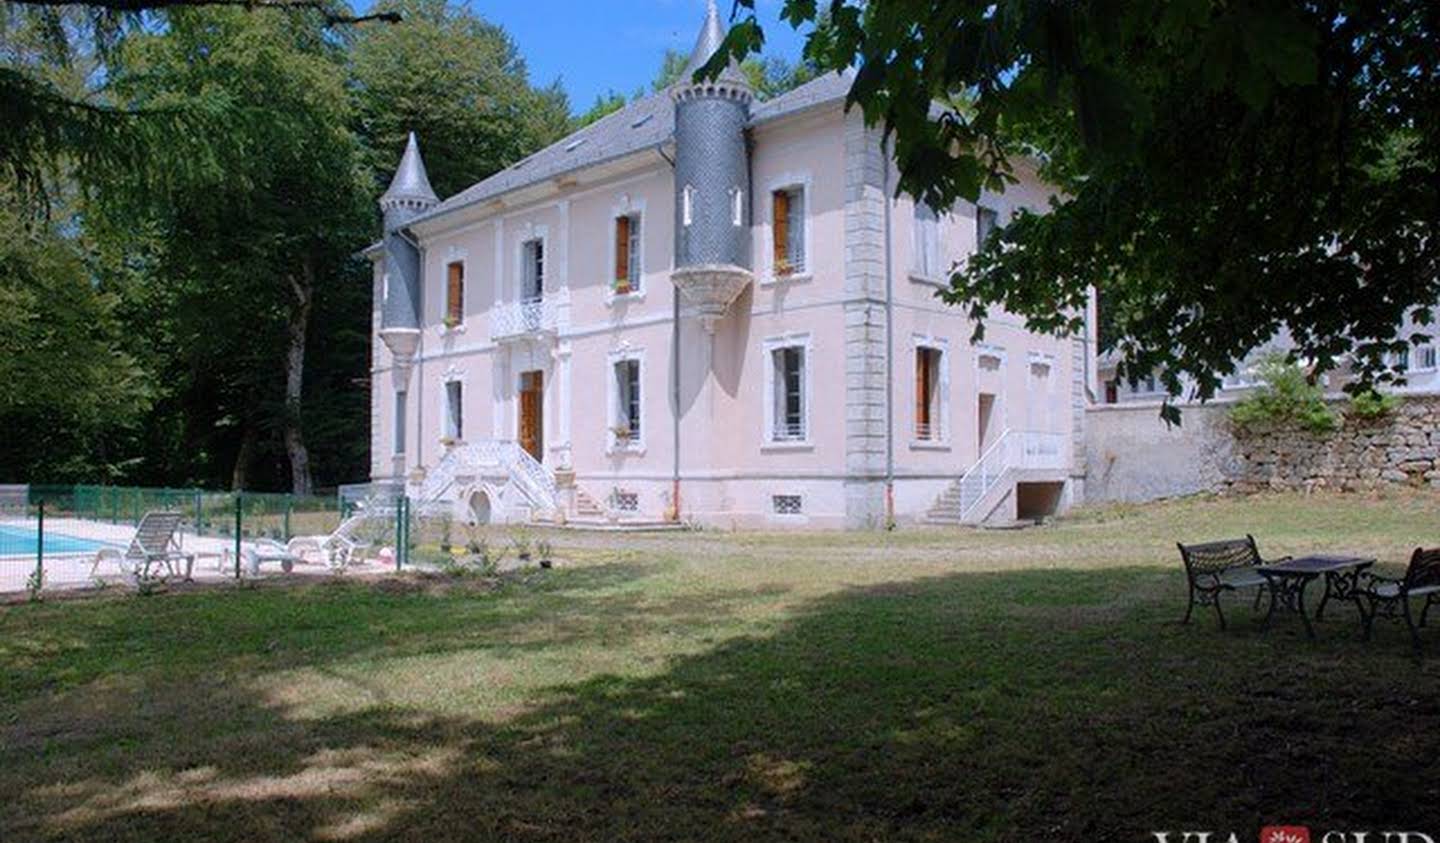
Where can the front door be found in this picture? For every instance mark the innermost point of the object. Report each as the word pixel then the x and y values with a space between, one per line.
pixel 532 413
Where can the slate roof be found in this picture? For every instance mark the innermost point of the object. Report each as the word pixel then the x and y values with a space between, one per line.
pixel 410 181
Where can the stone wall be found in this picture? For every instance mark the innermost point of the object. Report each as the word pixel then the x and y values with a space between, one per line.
pixel 1400 448
pixel 1132 456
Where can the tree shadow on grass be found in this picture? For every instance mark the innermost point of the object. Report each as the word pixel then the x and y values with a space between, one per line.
pixel 1016 707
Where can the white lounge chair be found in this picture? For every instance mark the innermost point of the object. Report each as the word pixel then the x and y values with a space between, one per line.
pixel 336 549
pixel 154 546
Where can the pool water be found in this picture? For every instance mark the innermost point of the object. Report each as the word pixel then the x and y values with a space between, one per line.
pixel 23 541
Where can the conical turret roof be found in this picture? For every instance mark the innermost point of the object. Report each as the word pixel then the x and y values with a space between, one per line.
pixel 410 182
pixel 712 34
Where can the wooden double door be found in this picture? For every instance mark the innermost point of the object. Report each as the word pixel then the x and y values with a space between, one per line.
pixel 532 413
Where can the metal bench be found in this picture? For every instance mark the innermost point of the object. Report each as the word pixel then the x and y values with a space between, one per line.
pixel 1390 597
pixel 1213 568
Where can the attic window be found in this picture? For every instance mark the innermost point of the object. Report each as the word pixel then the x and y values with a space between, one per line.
pixel 575 144
pixel 641 121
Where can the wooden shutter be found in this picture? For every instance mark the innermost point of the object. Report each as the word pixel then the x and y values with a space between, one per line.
pixel 780 214
pixel 455 293
pixel 622 248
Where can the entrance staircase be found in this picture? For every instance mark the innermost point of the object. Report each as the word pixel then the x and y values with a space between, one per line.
pixel 978 495
pixel 525 487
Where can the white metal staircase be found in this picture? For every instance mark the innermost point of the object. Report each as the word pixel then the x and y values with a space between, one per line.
pixel 494 460
pixel 961 502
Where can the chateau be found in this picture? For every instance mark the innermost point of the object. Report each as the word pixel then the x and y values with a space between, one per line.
pixel 706 308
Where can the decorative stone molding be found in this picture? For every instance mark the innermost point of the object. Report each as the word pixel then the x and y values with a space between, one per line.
pixel 710 289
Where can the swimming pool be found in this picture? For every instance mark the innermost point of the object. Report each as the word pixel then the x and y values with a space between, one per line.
pixel 23 541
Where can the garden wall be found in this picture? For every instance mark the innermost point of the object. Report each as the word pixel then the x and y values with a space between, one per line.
pixel 1132 456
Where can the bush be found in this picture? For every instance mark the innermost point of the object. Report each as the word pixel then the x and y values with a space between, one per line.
pixel 1372 405
pixel 1286 396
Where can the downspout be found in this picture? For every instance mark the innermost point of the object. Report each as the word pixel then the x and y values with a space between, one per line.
pixel 674 376
pixel 419 365
pixel 889 347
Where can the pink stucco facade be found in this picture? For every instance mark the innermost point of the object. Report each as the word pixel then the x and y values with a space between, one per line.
pixel 708 401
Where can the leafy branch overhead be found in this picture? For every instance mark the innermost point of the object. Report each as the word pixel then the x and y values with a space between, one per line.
pixel 1227 171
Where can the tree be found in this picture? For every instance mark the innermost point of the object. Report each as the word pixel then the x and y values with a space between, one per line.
pixel 1227 169
pixel 609 103
pixel 69 384
pixel 769 76
pixel 460 84
pixel 248 253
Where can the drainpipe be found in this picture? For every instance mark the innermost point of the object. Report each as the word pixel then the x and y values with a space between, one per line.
pixel 889 347
pixel 674 377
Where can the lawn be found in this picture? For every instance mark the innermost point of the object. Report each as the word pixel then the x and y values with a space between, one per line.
pixel 926 685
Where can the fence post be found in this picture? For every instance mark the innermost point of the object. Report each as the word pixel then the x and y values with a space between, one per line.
pixel 399 532
pixel 40 547
pixel 289 505
pixel 239 504
pixel 199 515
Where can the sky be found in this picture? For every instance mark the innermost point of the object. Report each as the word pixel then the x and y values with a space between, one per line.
pixel 595 46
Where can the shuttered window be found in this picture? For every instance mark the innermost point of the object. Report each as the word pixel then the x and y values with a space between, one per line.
pixel 788 218
pixel 455 294
pixel 927 394
pixel 628 252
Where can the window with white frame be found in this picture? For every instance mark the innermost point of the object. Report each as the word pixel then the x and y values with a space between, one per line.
pixel 454 410
pixel 1424 359
pixel 628 253
pixel 788 410
pixel 532 269
pixel 1398 360
pixel 687 205
pixel 787 219
pixel 401 399
pixel 737 206
pixel 626 407
pixel 927 241
pixel 929 366
pixel 987 220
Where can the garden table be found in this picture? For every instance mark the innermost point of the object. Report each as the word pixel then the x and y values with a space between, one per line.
pixel 1287 581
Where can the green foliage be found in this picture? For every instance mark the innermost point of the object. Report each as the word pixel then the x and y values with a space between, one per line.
pixel 1226 170
pixel 769 76
pixel 460 84
pixel 1285 396
pixel 1372 404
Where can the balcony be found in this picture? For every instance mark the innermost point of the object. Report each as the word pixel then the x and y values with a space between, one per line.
pixel 531 319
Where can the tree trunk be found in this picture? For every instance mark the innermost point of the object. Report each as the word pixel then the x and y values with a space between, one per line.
pixel 304 289
pixel 241 473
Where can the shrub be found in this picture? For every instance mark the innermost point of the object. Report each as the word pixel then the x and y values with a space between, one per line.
pixel 1372 405
pixel 1286 395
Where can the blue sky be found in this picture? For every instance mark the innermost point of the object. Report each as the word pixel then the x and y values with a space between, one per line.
pixel 594 46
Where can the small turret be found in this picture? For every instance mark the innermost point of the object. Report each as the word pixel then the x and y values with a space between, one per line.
pixel 712 180
pixel 409 196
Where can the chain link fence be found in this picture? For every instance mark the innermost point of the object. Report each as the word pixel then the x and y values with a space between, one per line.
pixel 67 537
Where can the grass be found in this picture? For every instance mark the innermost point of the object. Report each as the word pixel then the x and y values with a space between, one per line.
pixel 928 685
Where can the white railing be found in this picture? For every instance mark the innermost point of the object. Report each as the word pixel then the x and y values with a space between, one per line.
pixel 1015 449
pixel 516 320
pixel 531 478
pixel 976 483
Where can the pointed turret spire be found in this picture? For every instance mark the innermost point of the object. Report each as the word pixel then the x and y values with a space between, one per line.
pixel 712 34
pixel 411 184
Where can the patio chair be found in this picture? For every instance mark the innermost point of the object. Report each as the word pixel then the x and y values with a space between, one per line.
pixel 260 552
pixel 336 549
pixel 1390 597
pixel 1213 568
pixel 154 544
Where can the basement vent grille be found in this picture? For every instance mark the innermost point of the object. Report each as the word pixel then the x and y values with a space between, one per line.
pixel 787 504
pixel 627 501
